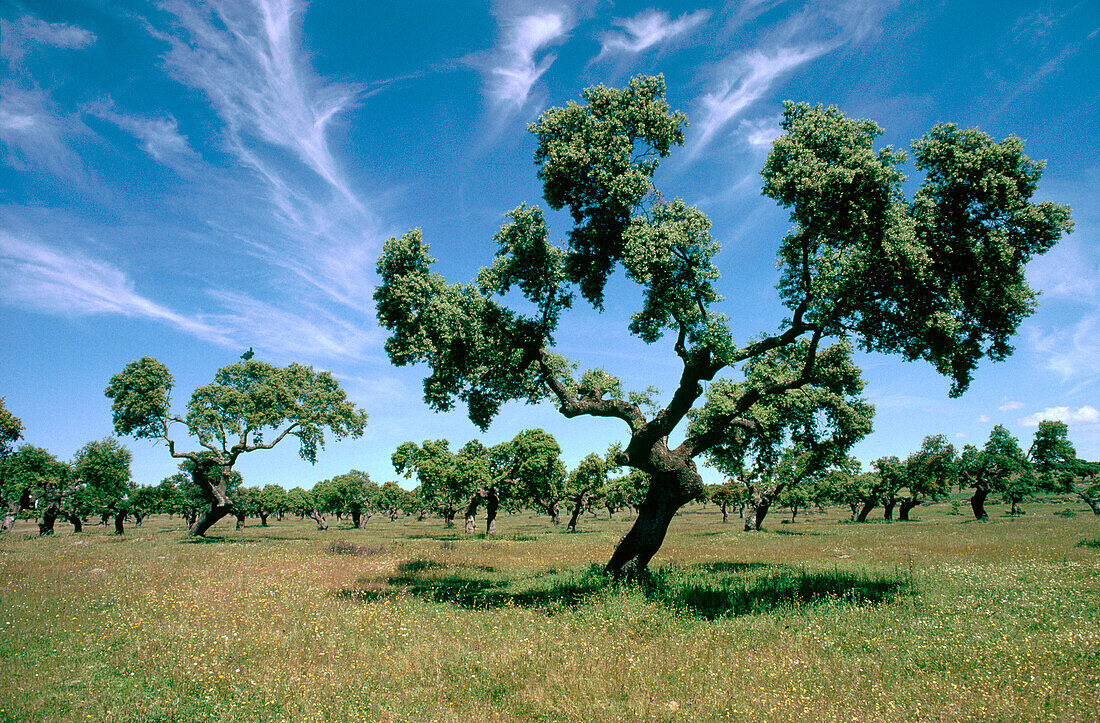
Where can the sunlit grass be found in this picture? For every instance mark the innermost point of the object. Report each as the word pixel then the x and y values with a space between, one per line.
pixel 940 618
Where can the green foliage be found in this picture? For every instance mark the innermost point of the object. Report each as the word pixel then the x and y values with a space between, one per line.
pixel 1053 457
pixel 11 430
pixel 104 467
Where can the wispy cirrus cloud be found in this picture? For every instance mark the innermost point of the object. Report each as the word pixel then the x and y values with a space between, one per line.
pixel 649 29
pixel 18 37
pixel 743 78
pixel 73 284
pixel 247 59
pixel 748 78
pixel 521 57
pixel 160 137
pixel 36 134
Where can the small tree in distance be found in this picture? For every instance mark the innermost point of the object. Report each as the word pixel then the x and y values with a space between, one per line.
pixel 938 277
pixel 230 417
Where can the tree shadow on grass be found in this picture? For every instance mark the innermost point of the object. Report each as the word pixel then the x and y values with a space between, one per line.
pixel 715 590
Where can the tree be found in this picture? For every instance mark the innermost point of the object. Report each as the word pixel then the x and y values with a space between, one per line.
pixel 144 501
pixel 930 472
pixel 231 416
pixel 521 471
pixel 794 499
pixel 269 500
pixel 355 493
pixel 34 478
pixel 1089 475
pixel 938 277
pixel 1053 457
pixel 1000 466
pixel 392 499
pixel 625 491
pixel 11 431
pixel 586 482
pixel 104 466
pixel 729 494
pixel 442 485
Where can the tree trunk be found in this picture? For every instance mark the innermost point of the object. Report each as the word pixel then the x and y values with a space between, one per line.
pixel 263 518
pixel 1093 502
pixel 103 517
pixel 138 517
pixel 77 523
pixel 578 508
pixel 725 514
pixel 471 513
pixel 554 512
pixel 977 503
pixel 855 510
pixel 120 519
pixel 239 514
pixel 357 517
pixel 449 513
pixel 49 517
pixel 12 509
pixel 316 516
pixel 868 505
pixel 1015 508
pixel 906 505
pixel 492 503
pixel 759 503
pixel 888 508
pixel 210 478
pixel 668 492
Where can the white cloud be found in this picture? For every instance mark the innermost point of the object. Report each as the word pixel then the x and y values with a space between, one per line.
pixel 159 137
pixel 1072 351
pixel 519 62
pixel 17 36
pixel 648 29
pixel 982 419
pixel 36 134
pixel 72 284
pixel 1009 405
pixel 1081 415
pixel 761 132
pixel 748 78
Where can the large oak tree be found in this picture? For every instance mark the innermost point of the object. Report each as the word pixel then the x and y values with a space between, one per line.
pixel 250 405
pixel 938 276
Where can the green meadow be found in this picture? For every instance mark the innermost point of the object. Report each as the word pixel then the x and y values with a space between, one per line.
pixel 941 618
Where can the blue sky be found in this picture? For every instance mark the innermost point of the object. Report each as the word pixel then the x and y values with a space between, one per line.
pixel 189 180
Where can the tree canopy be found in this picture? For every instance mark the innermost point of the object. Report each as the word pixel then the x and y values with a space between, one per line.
pixel 939 277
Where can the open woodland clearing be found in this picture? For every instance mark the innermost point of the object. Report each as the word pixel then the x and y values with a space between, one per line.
pixel 940 618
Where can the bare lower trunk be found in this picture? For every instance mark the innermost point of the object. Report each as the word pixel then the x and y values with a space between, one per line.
pixel 492 503
pixel 138 517
pixel 471 513
pixel 578 508
pixel 77 523
pixel 11 510
pixel 120 520
pixel 103 517
pixel 316 516
pixel 977 503
pixel 263 518
pixel 1015 508
pixel 888 508
pixel 357 518
pixel 758 505
pixel 554 512
pixel 725 514
pixel 906 506
pixel 1093 502
pixel 49 517
pixel 240 518
pixel 210 478
pixel 449 513
pixel 667 493
pixel 855 510
pixel 868 505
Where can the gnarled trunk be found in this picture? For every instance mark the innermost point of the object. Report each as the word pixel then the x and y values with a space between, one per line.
pixel 316 516
pixel 1015 508
pixel 263 518
pixel 239 514
pixel 725 514
pixel 77 523
pixel 120 519
pixel 668 492
pixel 578 508
pixel 471 513
pixel 357 517
pixel 855 510
pixel 758 504
pixel 449 513
pixel 49 517
pixel 888 508
pixel 554 512
pixel 868 505
pixel 906 505
pixel 138 517
pixel 492 503
pixel 977 503
pixel 11 510
pixel 210 478
pixel 104 517
pixel 1093 502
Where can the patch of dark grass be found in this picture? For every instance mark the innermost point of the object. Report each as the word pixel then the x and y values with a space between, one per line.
pixel 723 589
pixel 343 547
pixel 1090 543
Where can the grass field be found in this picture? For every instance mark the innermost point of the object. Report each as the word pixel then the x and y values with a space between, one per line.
pixel 942 618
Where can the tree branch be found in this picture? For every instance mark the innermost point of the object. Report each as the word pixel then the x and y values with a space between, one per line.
pixel 571 406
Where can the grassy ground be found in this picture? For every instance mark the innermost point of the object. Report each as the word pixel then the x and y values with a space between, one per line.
pixel 938 619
